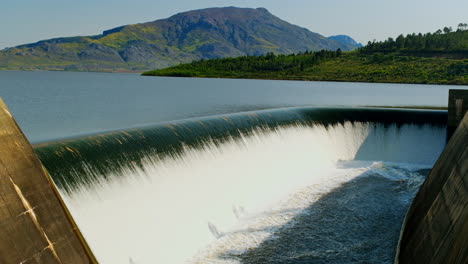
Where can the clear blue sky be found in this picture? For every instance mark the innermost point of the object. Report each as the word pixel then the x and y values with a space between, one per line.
pixel 25 21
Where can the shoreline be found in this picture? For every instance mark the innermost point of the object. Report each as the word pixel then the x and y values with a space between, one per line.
pixel 237 78
pixel 302 80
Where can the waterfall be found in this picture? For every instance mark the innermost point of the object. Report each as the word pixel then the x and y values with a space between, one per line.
pixel 209 197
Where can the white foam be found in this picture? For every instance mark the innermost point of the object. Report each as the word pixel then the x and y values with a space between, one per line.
pixel 217 200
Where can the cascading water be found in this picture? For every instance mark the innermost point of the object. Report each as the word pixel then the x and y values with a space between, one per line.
pixel 245 188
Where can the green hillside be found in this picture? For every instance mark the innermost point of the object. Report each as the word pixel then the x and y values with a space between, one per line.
pixel 439 58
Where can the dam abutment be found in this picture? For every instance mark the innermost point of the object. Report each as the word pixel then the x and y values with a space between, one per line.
pixel 36 226
pixel 436 225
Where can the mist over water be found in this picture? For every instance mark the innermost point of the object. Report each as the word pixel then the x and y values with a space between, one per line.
pixel 171 206
pixel 284 193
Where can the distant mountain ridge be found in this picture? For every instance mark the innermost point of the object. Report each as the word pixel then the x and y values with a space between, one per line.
pixel 346 40
pixel 184 37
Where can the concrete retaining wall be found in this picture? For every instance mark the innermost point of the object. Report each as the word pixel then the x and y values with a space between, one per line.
pixel 436 226
pixel 35 226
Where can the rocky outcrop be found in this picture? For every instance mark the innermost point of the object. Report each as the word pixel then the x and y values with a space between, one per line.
pixel 100 52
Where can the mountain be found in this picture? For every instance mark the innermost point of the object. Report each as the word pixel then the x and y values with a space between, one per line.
pixel 346 40
pixel 184 37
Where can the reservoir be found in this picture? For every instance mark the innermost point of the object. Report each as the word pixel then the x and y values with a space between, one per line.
pixel 51 105
pixel 176 170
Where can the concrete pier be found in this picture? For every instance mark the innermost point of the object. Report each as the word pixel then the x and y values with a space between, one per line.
pixel 457 107
pixel 35 225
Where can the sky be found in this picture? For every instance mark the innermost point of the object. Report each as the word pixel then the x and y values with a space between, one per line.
pixel 26 21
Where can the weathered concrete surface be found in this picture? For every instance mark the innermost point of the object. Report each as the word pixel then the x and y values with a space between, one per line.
pixel 457 107
pixel 436 226
pixel 35 226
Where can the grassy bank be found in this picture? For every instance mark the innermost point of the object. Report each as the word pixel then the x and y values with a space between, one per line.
pixel 350 67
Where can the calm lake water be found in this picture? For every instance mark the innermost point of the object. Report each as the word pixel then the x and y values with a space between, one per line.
pixel 51 105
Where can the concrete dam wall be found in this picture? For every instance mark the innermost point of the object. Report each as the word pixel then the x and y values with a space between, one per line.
pixel 35 226
pixel 436 225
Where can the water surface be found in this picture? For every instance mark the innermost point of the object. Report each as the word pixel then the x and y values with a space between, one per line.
pixel 50 105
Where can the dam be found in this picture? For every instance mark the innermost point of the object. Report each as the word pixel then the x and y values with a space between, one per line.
pixel 289 185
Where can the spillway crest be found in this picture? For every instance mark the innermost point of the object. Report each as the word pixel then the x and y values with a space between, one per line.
pixel 274 186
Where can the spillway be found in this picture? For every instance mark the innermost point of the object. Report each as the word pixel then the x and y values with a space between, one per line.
pixel 275 186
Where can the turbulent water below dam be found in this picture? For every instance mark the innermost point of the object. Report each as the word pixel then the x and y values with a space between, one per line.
pixel 293 185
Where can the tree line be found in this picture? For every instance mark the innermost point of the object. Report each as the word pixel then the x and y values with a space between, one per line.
pixel 446 39
pixel 265 63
